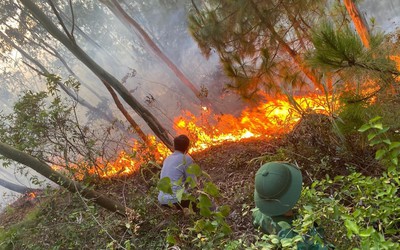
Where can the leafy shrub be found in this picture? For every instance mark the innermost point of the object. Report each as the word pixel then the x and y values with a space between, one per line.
pixel 209 227
pixel 356 211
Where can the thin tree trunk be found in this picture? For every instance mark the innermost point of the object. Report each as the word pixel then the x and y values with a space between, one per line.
pixel 128 117
pixel 358 20
pixel 151 121
pixel 45 170
pixel 15 187
pixel 293 54
pixel 297 27
pixel 45 72
pixel 51 50
pixel 88 39
pixel 129 22
pixel 120 106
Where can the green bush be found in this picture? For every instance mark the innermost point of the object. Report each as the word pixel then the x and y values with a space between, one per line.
pixel 209 227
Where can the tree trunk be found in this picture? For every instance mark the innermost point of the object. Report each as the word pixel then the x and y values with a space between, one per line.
pixel 151 121
pixel 130 23
pixel 128 117
pixel 46 72
pixel 358 20
pixel 120 106
pixel 15 187
pixel 56 177
pixel 293 54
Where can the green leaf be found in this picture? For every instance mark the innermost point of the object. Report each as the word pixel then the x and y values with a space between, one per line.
pixel 286 242
pixel 364 128
pixel 194 169
pixel 179 194
pixel 384 130
pixel 171 239
pixel 199 225
pixel 275 241
pixel 371 136
pixel 392 169
pixel 211 189
pixel 352 226
pixel 367 232
pixel 375 119
pixel 356 213
pixel 191 181
pixel 375 141
pixel 164 185
pixel 178 182
pixel 284 225
pixel 308 208
pixel 394 145
pixel 225 209
pixel 387 141
pixel 205 211
pixel 395 160
pixel 226 229
pixel 378 125
pixel 379 154
pixel 204 201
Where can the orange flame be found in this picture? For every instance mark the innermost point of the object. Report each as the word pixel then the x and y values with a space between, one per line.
pixel 31 195
pixel 268 120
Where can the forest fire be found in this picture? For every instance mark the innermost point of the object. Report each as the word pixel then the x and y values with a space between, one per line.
pixel 270 119
pixel 31 195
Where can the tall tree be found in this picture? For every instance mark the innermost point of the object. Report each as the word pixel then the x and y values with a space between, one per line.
pixel 260 43
pixel 43 71
pixel 134 26
pixel 67 39
pixel 358 21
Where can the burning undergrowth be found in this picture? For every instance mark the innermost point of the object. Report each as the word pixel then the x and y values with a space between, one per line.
pixel 269 120
pixel 230 150
pixel 312 144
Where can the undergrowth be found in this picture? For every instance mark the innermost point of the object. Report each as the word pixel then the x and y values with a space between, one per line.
pixel 354 210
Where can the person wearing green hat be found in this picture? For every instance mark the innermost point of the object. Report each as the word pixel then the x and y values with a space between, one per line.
pixel 277 189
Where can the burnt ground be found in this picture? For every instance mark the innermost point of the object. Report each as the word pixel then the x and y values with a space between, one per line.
pixel 232 167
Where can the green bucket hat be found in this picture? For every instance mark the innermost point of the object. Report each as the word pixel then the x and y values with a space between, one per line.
pixel 277 187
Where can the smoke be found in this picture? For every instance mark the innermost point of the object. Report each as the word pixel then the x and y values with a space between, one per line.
pixel 153 80
pixel 384 13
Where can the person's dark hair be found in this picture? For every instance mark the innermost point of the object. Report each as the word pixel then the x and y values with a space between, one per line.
pixel 181 143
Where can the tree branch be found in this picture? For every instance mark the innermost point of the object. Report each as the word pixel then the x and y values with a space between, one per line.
pixel 70 35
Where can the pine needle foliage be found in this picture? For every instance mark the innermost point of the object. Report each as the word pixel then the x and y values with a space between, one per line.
pixel 341 49
pixel 259 43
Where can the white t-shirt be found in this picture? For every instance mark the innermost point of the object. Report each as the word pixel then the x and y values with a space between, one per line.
pixel 175 167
